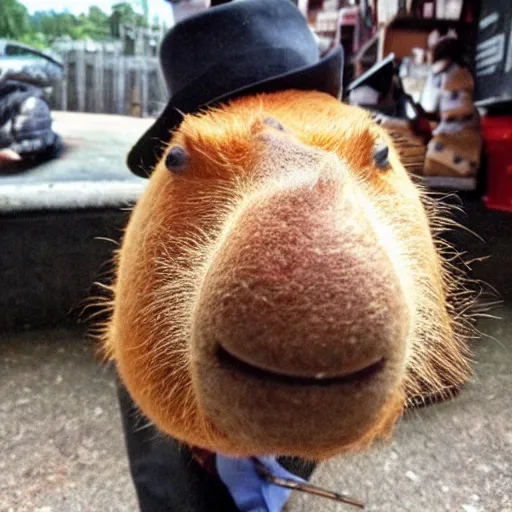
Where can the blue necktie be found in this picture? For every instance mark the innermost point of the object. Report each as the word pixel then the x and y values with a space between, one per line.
pixel 251 492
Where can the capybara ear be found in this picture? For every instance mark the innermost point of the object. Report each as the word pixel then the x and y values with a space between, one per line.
pixel 279 286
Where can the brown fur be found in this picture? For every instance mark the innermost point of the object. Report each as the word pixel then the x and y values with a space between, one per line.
pixel 295 254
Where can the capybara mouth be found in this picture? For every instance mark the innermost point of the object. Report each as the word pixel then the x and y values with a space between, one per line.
pixel 232 363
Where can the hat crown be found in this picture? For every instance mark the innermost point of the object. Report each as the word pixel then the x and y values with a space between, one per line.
pixel 241 48
pixel 258 38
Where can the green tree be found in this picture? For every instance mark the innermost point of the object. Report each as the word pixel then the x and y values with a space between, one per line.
pixel 43 27
pixel 96 15
pixel 14 19
pixel 123 13
pixel 54 24
pixel 93 25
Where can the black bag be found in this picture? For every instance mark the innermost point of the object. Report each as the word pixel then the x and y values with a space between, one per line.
pixel 493 61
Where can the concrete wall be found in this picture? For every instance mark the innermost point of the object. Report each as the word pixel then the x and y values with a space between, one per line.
pixel 49 261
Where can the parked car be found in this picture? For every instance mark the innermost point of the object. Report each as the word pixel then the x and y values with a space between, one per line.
pixel 29 65
pixel 25 118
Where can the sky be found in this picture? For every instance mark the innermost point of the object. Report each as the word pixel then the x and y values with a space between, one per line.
pixel 156 7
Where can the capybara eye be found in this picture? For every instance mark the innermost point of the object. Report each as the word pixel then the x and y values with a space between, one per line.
pixel 177 159
pixel 381 157
pixel 273 123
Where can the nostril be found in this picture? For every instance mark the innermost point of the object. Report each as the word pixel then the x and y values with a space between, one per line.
pixel 232 363
pixel 273 123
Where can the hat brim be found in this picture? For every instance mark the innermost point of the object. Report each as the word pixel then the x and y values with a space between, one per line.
pixel 324 76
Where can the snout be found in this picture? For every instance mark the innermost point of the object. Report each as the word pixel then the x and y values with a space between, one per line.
pixel 303 289
pixel 301 324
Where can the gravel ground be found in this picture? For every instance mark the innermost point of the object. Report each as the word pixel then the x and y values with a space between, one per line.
pixel 63 451
pixel 60 428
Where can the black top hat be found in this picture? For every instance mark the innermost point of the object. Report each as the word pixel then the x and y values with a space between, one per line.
pixel 240 48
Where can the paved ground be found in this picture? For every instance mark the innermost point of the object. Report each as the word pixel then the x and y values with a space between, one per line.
pixel 62 449
pixel 90 173
pixel 95 148
pixel 60 430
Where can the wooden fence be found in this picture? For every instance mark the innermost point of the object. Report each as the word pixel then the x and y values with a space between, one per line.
pixel 110 83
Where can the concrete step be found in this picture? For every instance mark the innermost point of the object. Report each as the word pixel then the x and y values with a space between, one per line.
pixel 49 261
pixel 55 218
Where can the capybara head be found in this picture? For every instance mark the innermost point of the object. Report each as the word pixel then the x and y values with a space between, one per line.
pixel 279 290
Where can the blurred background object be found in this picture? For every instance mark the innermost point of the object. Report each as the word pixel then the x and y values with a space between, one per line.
pixel 24 63
pixel 493 61
pixel 25 119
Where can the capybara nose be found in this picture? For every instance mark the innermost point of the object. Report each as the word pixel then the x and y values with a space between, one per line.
pixel 302 288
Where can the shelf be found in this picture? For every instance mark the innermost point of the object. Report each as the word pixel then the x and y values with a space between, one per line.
pixel 429 24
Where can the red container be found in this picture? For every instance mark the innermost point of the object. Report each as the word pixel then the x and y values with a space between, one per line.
pixel 497 137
